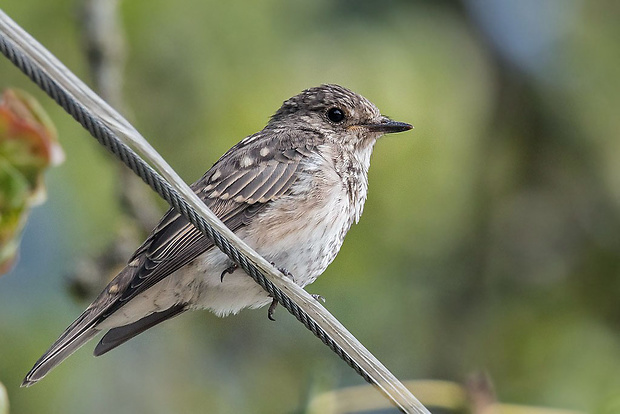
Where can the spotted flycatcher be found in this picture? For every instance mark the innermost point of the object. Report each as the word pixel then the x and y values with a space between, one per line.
pixel 290 191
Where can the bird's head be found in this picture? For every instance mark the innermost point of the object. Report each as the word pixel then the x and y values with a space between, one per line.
pixel 339 114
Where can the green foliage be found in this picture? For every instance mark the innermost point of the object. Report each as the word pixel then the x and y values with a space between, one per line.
pixel 27 147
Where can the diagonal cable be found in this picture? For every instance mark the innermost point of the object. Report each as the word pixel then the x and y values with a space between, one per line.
pixel 119 136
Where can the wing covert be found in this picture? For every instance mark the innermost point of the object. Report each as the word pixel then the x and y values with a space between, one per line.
pixel 235 193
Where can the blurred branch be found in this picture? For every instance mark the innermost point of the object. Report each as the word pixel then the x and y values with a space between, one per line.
pixel 104 46
pixel 475 397
pixel 445 395
pixel 480 392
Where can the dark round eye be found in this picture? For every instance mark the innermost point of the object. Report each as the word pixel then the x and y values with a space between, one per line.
pixel 335 115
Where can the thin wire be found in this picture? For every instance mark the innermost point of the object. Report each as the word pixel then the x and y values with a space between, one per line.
pixel 28 56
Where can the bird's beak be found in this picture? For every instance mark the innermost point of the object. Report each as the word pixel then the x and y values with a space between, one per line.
pixel 387 126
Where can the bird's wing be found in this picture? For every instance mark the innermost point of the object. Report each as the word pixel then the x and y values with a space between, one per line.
pixel 236 188
pixel 234 191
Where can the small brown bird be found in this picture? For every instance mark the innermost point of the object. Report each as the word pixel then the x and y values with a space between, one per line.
pixel 290 191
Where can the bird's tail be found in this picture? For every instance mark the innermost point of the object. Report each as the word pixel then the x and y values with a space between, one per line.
pixel 82 330
pixel 77 334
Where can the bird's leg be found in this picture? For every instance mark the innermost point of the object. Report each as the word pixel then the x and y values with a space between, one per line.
pixel 230 269
pixel 272 307
pixel 274 302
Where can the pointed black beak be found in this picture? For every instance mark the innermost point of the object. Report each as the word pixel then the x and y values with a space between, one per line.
pixel 387 126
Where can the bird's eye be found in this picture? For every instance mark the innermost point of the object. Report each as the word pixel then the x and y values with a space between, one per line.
pixel 335 115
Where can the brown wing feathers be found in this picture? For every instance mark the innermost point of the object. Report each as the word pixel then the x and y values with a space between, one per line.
pixel 235 193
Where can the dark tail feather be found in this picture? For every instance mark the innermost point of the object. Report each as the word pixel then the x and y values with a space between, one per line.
pixel 77 334
pixel 122 334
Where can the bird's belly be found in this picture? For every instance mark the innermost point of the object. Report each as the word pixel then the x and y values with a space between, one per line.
pixel 304 241
pixel 301 237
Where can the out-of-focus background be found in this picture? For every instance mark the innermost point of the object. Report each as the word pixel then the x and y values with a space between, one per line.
pixel 491 236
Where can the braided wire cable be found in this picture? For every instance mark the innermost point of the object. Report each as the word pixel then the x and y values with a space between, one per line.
pixel 360 362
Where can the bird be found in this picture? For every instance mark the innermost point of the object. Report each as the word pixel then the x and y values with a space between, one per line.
pixel 291 191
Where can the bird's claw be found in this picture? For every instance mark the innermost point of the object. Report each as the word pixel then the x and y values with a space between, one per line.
pixel 283 270
pixel 230 269
pixel 274 302
pixel 318 298
pixel 272 308
pixel 274 305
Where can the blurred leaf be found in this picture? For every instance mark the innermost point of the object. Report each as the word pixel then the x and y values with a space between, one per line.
pixel 28 145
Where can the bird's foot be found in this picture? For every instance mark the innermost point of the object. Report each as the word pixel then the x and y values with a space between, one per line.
pixel 318 298
pixel 228 270
pixel 274 305
pixel 274 302
pixel 272 308
pixel 284 271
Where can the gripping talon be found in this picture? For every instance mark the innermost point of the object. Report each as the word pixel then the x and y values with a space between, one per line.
pixel 272 307
pixel 228 270
pixel 318 298
pixel 283 270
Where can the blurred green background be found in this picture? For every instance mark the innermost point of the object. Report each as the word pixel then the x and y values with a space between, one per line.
pixel 490 239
